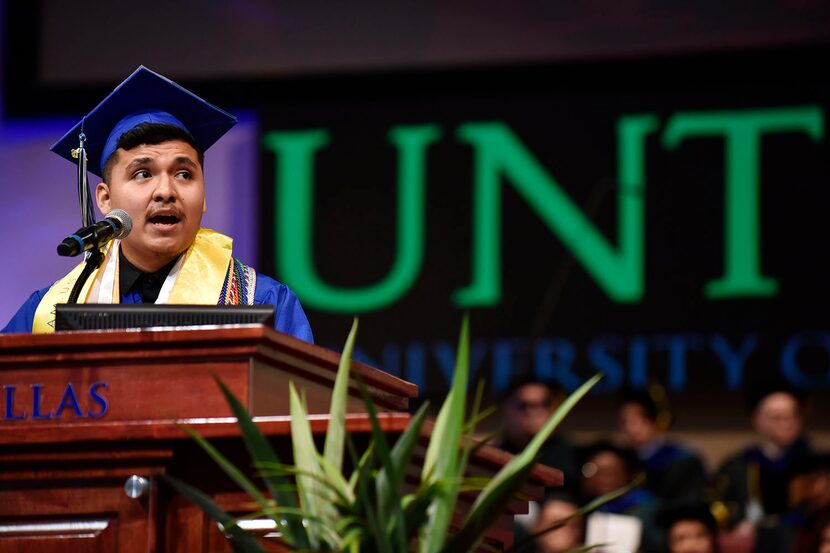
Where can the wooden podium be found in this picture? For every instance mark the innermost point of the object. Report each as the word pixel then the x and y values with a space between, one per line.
pixel 89 420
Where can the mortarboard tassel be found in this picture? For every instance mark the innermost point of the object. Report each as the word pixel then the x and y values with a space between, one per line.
pixel 93 257
pixel 84 197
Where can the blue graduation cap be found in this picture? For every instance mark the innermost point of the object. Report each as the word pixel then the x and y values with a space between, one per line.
pixel 144 97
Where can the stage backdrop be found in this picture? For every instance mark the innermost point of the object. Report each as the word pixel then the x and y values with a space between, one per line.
pixel 663 220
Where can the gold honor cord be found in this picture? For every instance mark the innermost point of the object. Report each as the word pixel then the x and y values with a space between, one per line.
pixel 200 280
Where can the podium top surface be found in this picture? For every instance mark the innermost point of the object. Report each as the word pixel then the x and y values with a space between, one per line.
pixel 21 350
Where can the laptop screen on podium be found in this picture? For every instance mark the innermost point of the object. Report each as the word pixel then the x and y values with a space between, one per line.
pixel 91 316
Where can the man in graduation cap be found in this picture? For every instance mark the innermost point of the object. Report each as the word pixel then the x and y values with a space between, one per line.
pixel 147 140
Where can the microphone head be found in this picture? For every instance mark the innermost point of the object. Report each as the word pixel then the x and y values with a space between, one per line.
pixel 124 218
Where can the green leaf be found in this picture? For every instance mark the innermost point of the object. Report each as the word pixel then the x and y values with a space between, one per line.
pixel 469 444
pixel 263 454
pixel 392 526
pixel 442 456
pixel 389 491
pixel 510 478
pixel 415 512
pixel 336 431
pixel 347 523
pixel 351 539
pixel 241 541
pixel 305 455
pixel 364 460
pixel 482 415
pixel 335 481
pixel 321 478
pixel 375 537
pixel 230 469
pixel 586 548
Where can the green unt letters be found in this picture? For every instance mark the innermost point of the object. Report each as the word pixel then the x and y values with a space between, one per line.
pixel 501 159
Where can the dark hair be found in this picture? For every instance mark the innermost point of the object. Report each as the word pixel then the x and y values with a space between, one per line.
pixel 626 455
pixel 757 392
pixel 524 379
pixel 814 463
pixel 561 494
pixel 150 133
pixel 643 399
pixel 698 511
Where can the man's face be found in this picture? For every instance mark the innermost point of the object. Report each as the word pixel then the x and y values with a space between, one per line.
pixel 635 424
pixel 565 538
pixel 526 411
pixel 778 419
pixel 162 187
pixel 603 473
pixel 690 536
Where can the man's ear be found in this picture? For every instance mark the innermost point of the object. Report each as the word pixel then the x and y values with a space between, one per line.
pixel 102 197
pixel 204 206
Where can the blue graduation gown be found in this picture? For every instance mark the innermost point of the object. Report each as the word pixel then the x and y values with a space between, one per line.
pixel 290 317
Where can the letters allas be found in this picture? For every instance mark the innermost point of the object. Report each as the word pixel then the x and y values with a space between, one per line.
pixel 39 402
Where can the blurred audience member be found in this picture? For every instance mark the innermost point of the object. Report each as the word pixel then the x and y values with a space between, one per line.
pixel 810 497
pixel 607 468
pixel 809 490
pixel 559 528
pixel 690 528
pixel 527 405
pixel 674 474
pixel 556 511
pixel 753 483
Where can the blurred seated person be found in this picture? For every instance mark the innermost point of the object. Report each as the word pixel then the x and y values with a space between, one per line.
pixel 798 528
pixel 556 528
pixel 690 528
pixel 526 406
pixel 674 474
pixel 810 500
pixel 809 489
pixel 753 483
pixel 628 521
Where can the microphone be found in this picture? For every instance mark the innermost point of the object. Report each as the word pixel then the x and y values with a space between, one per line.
pixel 117 224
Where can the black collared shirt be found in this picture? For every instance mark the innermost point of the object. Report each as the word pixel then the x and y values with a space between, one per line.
pixel 147 285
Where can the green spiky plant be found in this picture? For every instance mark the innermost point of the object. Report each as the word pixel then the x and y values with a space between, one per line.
pixel 317 508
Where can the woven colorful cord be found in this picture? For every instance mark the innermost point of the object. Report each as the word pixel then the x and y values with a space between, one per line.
pixel 239 286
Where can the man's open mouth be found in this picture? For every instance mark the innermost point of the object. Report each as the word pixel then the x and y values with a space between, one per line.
pixel 164 220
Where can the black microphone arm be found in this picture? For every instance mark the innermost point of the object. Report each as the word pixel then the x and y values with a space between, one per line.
pixel 117 224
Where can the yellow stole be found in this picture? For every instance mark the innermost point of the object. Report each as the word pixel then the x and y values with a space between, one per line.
pixel 200 279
